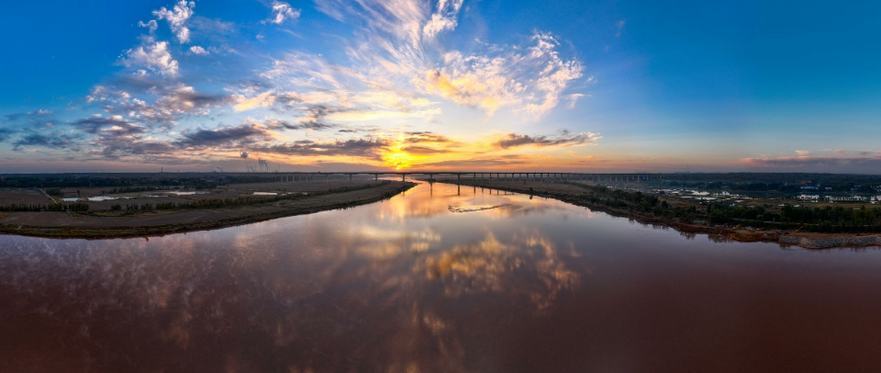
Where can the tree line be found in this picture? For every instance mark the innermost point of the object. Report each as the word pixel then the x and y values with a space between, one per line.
pixel 827 219
pixel 76 206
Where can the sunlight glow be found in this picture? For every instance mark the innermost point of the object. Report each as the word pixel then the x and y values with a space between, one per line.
pixel 398 160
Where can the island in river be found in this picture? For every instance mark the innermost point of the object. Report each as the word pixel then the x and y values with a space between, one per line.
pixel 131 211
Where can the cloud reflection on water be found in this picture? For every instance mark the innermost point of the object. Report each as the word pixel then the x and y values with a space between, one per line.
pixel 524 266
pixel 370 288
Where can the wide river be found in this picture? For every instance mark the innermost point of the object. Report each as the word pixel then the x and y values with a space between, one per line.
pixel 440 279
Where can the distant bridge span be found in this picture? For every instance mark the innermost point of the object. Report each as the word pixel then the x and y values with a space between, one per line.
pixel 458 175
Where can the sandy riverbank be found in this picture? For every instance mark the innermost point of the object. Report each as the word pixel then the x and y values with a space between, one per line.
pixel 570 194
pixel 160 222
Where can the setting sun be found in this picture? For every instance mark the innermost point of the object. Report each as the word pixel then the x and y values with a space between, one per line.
pixel 398 160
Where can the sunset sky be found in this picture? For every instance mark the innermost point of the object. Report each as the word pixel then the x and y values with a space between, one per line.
pixel 579 86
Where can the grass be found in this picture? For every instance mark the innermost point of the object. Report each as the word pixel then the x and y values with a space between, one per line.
pixel 157 230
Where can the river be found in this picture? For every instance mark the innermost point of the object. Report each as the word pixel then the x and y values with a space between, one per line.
pixel 439 279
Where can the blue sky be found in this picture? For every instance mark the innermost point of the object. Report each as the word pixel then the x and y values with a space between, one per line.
pixel 368 84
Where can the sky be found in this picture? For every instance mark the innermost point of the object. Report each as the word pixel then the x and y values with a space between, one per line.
pixel 339 85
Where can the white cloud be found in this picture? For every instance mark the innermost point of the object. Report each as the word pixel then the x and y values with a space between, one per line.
pixel 397 48
pixel 154 56
pixel 40 112
pixel 473 81
pixel 198 50
pixel 394 73
pixel 177 18
pixel 554 78
pixel 282 12
pixel 262 100
pixel 803 153
pixel 529 80
pixel 174 101
pixel 151 25
pixel 444 18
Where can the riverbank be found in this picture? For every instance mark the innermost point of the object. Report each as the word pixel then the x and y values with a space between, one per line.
pixel 574 194
pixel 161 222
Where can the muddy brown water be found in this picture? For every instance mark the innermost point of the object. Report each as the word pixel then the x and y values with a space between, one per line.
pixel 441 279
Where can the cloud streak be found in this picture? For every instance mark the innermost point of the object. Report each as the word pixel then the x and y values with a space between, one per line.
pixel 53 141
pixel 244 134
pixel 513 140
pixel 815 164
pixel 368 148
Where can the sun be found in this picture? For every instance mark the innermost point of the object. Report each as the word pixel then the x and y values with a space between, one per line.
pixel 399 160
pixel 396 157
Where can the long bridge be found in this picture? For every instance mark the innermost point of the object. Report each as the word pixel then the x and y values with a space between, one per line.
pixel 458 175
pixel 430 175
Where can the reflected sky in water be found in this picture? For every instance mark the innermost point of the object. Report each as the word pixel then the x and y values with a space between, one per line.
pixel 435 281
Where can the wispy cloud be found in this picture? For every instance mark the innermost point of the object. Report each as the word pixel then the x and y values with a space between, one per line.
pixel 150 25
pixel 277 124
pixel 426 137
pixel 513 140
pixel 116 125
pixel 425 150
pixel 531 81
pixel 841 162
pixel 443 19
pixel 812 162
pixel 397 48
pixel 388 91
pixel 468 163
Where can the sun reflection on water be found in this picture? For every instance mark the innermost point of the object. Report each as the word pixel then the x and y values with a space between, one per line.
pixel 294 288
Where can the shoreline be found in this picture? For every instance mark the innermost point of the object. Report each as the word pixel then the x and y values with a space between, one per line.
pixel 219 218
pixel 811 241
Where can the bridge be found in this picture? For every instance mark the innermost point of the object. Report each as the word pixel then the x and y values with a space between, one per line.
pixel 430 175
pixel 457 175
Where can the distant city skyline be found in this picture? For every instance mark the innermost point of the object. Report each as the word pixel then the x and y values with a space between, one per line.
pixel 605 86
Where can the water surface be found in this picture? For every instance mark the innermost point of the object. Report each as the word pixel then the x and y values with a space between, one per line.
pixel 441 279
